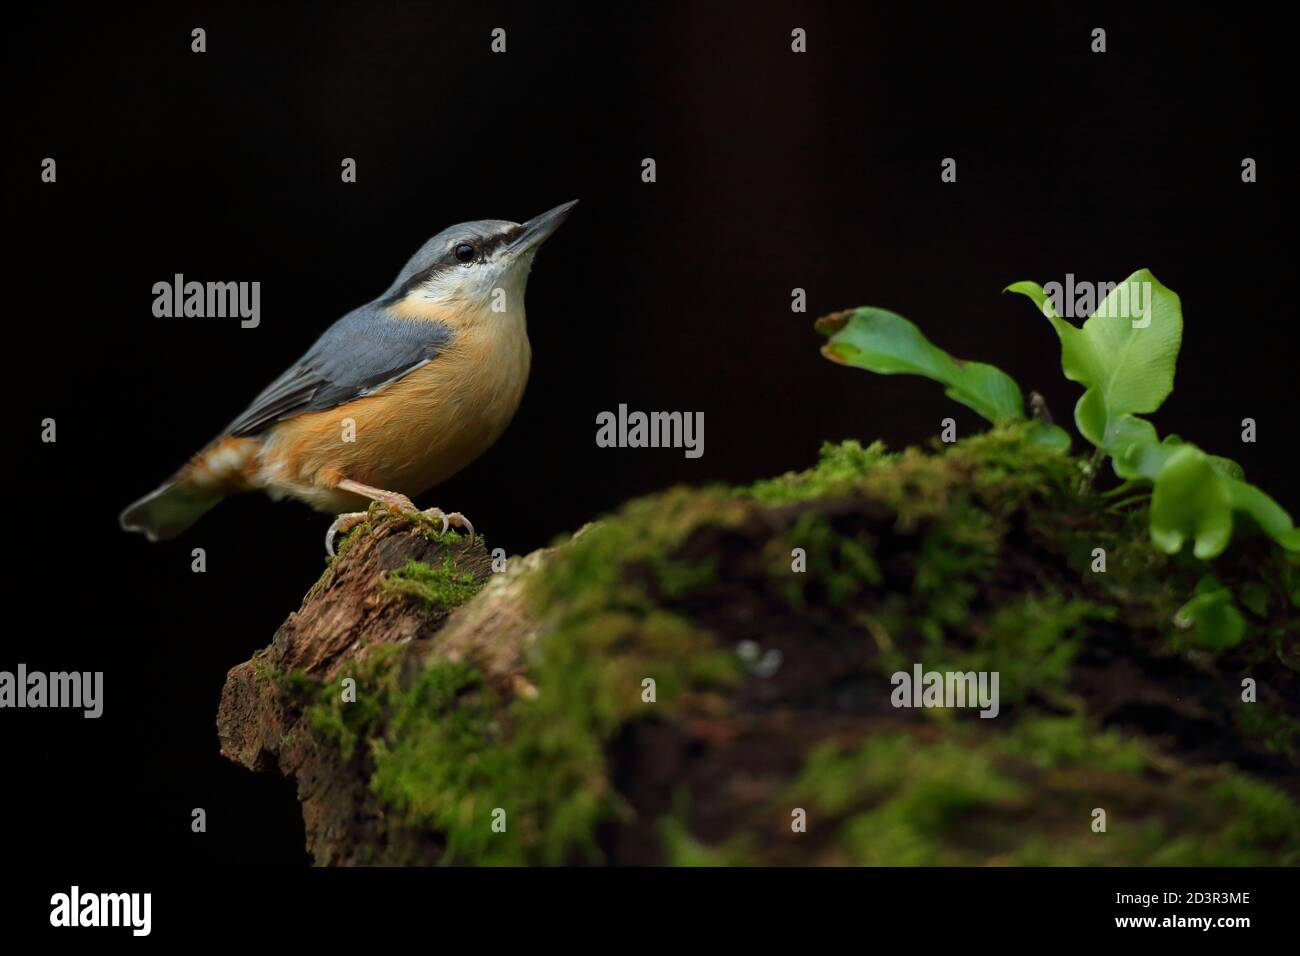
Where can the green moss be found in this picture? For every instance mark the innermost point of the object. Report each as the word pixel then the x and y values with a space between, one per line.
pixel 974 559
pixel 1048 743
pixel 678 578
pixel 955 558
pixel 376 678
pixel 441 765
pixel 839 471
pixel 958 505
pixel 1030 642
pixel 591 570
pixel 445 763
pixel 295 682
pixel 1278 732
pixel 453 754
pixel 682 849
pixel 839 561
pixel 440 586
pixel 890 800
pixel 997 470
pixel 430 528
pixel 1250 816
pixel 1027 795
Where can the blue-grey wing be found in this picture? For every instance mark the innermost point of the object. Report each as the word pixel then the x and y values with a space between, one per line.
pixel 357 355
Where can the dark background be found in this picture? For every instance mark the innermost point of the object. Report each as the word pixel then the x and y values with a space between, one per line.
pixel 775 170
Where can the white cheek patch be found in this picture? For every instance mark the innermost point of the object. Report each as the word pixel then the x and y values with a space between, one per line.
pixel 476 285
pixel 445 286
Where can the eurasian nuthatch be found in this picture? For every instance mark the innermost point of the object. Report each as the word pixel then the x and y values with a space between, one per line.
pixel 394 398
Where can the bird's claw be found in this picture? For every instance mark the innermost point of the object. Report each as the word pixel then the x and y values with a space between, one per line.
pixel 437 513
pixel 399 506
pixel 455 518
pixel 342 524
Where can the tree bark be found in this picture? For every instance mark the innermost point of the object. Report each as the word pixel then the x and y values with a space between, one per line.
pixel 776 736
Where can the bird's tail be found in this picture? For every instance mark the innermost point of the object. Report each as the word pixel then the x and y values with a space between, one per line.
pixel 211 475
pixel 163 514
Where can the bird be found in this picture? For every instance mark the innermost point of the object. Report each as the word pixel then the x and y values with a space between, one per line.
pixel 394 398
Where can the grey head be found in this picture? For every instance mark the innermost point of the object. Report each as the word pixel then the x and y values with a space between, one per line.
pixel 471 259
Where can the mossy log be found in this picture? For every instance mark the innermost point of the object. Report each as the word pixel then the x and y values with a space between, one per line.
pixel 676 684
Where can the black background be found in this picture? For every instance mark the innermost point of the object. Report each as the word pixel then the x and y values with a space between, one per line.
pixel 775 171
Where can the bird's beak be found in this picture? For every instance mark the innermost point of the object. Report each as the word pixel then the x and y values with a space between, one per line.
pixel 536 230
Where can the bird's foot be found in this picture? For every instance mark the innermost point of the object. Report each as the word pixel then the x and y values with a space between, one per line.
pixel 454 518
pixel 398 504
pixel 395 502
pixel 401 505
pixel 342 525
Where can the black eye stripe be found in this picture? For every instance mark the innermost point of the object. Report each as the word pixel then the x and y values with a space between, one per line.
pixel 484 245
pixel 491 243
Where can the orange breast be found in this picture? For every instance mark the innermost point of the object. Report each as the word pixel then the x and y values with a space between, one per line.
pixel 413 433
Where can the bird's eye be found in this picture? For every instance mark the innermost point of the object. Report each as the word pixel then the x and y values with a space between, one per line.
pixel 464 252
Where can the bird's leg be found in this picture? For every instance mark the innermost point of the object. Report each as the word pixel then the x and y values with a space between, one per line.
pixel 399 504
